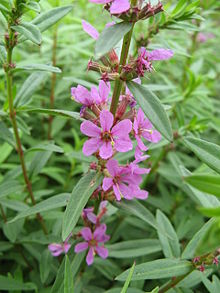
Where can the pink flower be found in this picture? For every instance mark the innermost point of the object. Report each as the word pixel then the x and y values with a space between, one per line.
pixel 124 181
pixel 94 241
pixel 139 157
pixel 144 59
pixel 117 6
pixel 88 99
pixel 88 212
pixel 107 137
pixel 143 128
pixel 57 249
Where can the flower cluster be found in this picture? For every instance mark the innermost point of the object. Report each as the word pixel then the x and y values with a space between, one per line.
pixel 113 131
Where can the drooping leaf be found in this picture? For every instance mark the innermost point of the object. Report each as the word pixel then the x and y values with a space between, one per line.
pixel 45 265
pixel 110 36
pixel 10 187
pixel 49 18
pixel 206 151
pixel 159 269
pixel 51 203
pixel 169 241
pixel 128 280
pixel 54 112
pixel 205 182
pixel 29 87
pixel 133 248
pixel 37 67
pixel 152 108
pixel 191 247
pixel 29 31
pixel 50 146
pixel 6 135
pixel 79 197
pixel 137 209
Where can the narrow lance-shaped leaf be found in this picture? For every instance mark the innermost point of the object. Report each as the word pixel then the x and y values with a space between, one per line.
pixel 205 182
pixel 110 37
pixel 28 88
pixel 170 246
pixel 29 31
pixel 79 197
pixel 68 278
pixel 210 212
pixel 159 269
pixel 128 280
pixel 206 151
pixel 37 67
pixel 190 250
pixel 49 18
pixel 51 203
pixel 152 108
pixel 7 283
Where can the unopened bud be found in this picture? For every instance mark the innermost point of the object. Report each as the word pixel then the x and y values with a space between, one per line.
pixel 113 58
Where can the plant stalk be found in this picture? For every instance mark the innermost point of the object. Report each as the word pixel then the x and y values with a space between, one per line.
pixel 123 59
pixel 16 133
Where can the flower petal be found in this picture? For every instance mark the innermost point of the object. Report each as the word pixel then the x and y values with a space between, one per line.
pixel 91 146
pixel 86 233
pixel 154 137
pixel 113 168
pixel 90 256
pixel 54 246
pixel 66 247
pixel 107 183
pixel 92 217
pixel 119 6
pixel 123 145
pixel 122 129
pixel 81 247
pixel 105 150
pixel 90 129
pixel 102 251
pixel 90 30
pixel 117 192
pixel 82 95
pixel 106 120
pixel 160 54
pixel 99 232
pixel 104 90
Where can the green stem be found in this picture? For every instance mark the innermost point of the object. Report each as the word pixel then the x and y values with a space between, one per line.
pixel 3 214
pixel 9 79
pixel 123 59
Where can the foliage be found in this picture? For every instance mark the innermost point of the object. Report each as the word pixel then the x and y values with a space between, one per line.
pixel 168 242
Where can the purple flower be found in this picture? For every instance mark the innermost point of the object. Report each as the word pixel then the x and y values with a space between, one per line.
pixel 124 181
pixel 57 249
pixel 145 58
pixel 107 137
pixel 139 157
pixel 204 37
pixel 143 128
pixel 94 241
pixel 88 99
pixel 117 6
pixel 88 213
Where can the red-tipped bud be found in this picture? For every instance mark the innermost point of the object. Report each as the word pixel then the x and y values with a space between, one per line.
pixel 113 58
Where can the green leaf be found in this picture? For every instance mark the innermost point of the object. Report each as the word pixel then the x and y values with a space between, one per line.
pixel 29 87
pixel 159 269
pixel 38 162
pixel 206 151
pixel 155 290
pixel 137 209
pixel 79 197
pixel 68 278
pixel 37 67
pixel 45 265
pixel 51 203
pixel 29 31
pixel 6 135
pixel 128 280
pixel 32 6
pixel 54 112
pixel 7 283
pixel 133 248
pixel 205 182
pixel 10 187
pixel 3 54
pixel 210 212
pixel 110 36
pixel 46 146
pixel 169 240
pixel 152 108
pixel 180 7
pixel 190 249
pixel 49 18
